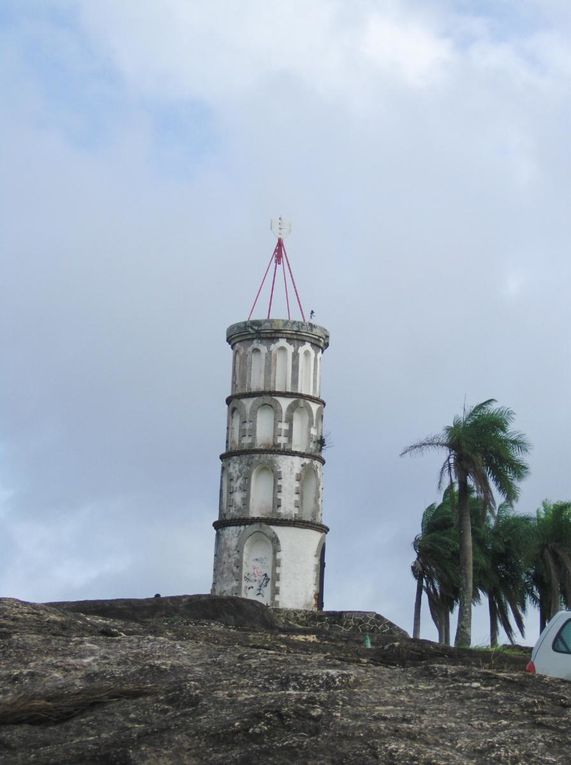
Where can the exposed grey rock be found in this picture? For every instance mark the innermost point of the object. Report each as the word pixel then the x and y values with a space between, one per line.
pixel 178 682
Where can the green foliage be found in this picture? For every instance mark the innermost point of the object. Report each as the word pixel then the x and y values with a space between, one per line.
pixel 436 562
pixel 482 449
pixel 504 544
pixel 549 577
pixel 482 453
pixel 518 559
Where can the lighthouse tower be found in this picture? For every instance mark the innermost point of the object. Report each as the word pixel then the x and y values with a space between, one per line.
pixel 270 539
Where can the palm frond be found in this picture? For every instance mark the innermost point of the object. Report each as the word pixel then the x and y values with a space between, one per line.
pixel 427 444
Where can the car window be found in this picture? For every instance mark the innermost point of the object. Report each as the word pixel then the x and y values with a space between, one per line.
pixel 562 642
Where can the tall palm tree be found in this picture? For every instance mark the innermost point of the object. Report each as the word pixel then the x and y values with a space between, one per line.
pixel 503 545
pixel 436 566
pixel 482 452
pixel 551 559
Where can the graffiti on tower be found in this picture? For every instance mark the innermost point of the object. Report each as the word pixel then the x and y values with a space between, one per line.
pixel 257 579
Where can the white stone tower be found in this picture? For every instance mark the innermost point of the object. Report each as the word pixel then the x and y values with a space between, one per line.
pixel 270 539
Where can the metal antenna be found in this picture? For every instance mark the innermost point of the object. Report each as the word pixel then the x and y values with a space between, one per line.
pixel 281 229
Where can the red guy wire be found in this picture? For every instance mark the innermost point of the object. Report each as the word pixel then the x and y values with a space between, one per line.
pixel 286 292
pixel 278 256
pixel 260 288
pixel 273 282
pixel 294 285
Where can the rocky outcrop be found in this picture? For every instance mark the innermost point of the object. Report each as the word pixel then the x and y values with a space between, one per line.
pixel 197 679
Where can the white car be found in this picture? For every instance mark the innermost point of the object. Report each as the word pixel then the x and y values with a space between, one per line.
pixel 551 654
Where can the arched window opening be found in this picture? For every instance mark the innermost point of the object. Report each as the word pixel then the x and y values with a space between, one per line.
pixel 237 368
pixel 309 495
pixel 300 434
pixel 235 429
pixel 319 437
pixel 305 372
pixel 262 491
pixel 257 372
pixel 265 426
pixel 223 489
pixel 257 568
pixel 281 369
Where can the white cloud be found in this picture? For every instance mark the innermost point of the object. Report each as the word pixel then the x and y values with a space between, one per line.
pixel 406 49
pixel 222 52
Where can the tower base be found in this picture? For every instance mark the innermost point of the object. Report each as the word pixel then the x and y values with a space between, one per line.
pixel 276 562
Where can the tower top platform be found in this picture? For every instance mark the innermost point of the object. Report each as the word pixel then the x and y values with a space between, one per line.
pixel 271 328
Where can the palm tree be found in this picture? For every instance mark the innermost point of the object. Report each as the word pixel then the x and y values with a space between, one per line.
pixel 550 576
pixel 436 566
pixel 482 452
pixel 503 545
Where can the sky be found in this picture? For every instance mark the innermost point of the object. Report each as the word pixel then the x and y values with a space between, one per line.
pixel 421 151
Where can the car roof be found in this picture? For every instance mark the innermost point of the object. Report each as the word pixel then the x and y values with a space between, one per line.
pixel 553 622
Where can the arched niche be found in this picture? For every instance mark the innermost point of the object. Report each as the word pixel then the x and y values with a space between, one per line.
pixel 261 491
pixel 269 431
pixel 265 417
pixel 238 370
pixel 300 429
pixel 235 420
pixel 320 574
pixel 258 568
pixel 305 372
pixel 256 369
pixel 298 424
pixel 252 545
pixel 236 423
pixel 319 438
pixel 281 365
pixel 282 369
pixel 309 494
pixel 317 385
pixel 223 488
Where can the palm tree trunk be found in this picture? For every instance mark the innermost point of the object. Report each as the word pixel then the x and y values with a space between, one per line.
pixel 434 613
pixel 554 599
pixel 464 628
pixel 441 628
pixel 542 619
pixel 446 618
pixel 493 621
pixel 417 606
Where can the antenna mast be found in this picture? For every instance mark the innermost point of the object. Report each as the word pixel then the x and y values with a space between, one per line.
pixel 281 229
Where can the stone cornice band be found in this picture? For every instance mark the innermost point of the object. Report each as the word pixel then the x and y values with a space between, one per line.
pixel 270 521
pixel 287 452
pixel 272 328
pixel 275 394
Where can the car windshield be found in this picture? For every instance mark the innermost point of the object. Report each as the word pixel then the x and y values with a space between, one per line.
pixel 562 642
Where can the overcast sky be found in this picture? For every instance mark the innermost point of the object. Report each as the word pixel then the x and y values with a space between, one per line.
pixel 421 150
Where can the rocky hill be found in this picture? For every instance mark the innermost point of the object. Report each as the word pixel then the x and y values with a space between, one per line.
pixel 200 679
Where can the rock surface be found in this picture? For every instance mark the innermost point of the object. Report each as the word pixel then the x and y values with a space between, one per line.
pixel 197 679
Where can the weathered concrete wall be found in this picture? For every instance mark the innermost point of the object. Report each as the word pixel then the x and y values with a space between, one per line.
pixel 244 422
pixel 227 562
pixel 272 466
pixel 299 575
pixel 288 577
pixel 237 491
